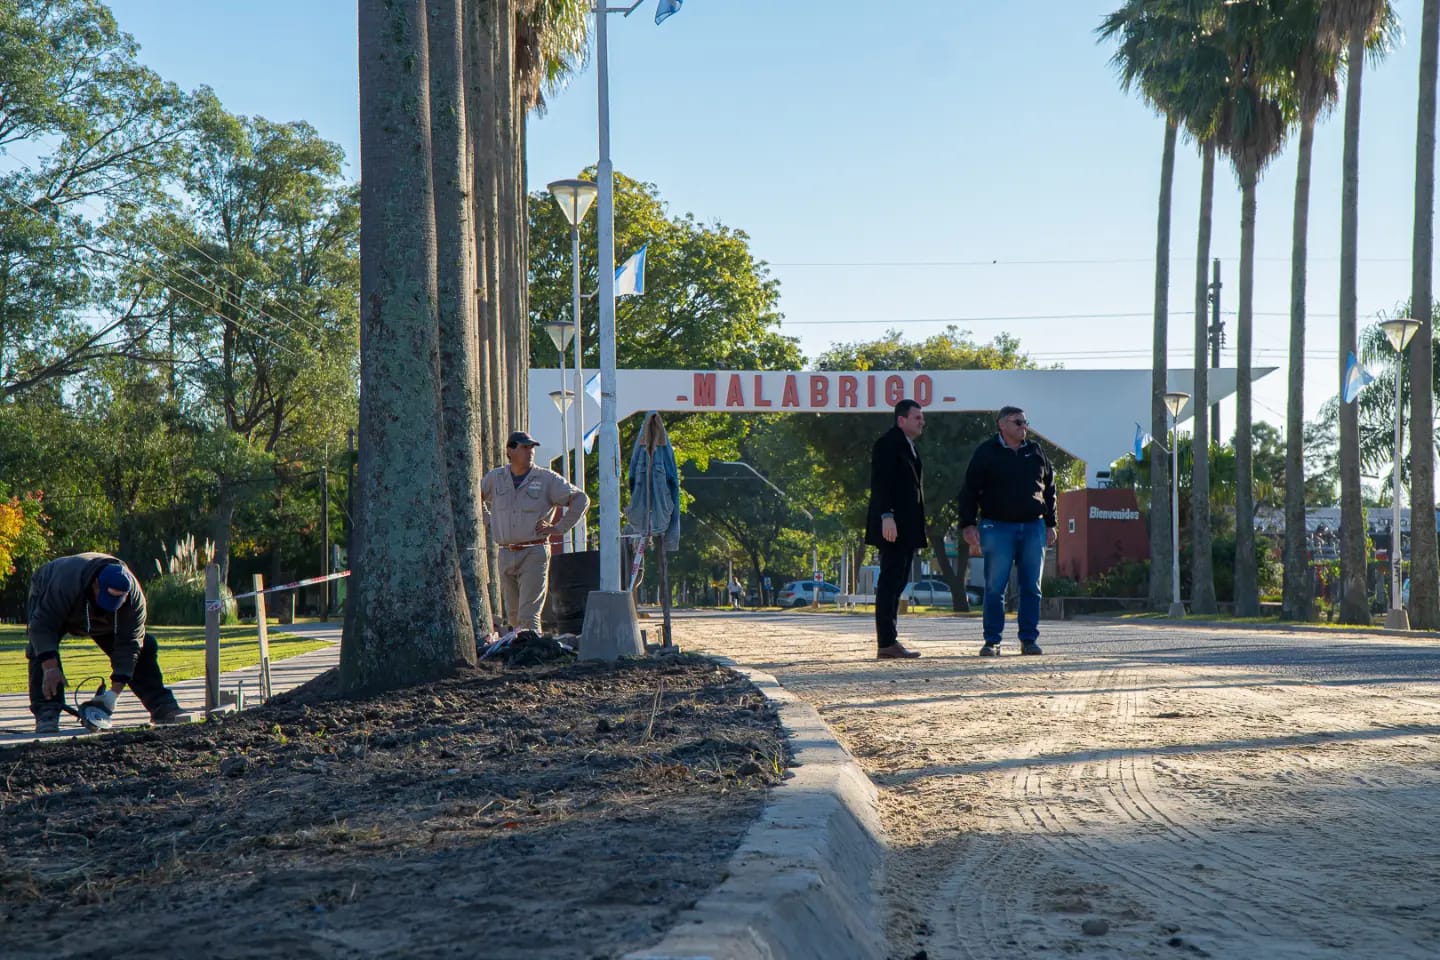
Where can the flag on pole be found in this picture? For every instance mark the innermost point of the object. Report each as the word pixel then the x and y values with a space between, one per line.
pixel 1142 440
pixel 1356 377
pixel 592 388
pixel 590 436
pixel 666 10
pixel 630 275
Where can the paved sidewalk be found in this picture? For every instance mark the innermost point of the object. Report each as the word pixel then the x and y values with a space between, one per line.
pixel 17 725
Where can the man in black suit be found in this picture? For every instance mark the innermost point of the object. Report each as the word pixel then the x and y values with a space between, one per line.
pixel 895 522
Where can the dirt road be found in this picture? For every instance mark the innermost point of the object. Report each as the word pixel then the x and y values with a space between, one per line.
pixel 1138 791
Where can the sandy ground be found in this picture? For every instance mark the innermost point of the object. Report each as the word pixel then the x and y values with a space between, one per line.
pixel 1139 791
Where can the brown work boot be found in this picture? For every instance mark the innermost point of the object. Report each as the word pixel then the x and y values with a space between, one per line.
pixel 895 652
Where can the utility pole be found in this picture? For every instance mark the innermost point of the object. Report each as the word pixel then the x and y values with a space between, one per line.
pixel 1217 339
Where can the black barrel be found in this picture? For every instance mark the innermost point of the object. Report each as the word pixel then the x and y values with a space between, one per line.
pixel 572 577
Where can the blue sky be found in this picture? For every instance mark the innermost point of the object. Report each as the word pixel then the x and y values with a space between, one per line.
pixel 961 161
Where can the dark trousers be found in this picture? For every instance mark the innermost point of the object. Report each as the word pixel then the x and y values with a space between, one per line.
pixel 146 683
pixel 894 573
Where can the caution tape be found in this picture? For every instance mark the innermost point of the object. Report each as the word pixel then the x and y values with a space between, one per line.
pixel 292 586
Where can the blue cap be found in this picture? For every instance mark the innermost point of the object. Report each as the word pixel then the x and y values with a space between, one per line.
pixel 113 576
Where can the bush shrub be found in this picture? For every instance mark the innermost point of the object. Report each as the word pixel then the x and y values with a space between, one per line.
pixel 177 601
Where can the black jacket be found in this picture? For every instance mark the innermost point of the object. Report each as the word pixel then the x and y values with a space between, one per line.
pixel 59 603
pixel 1010 485
pixel 896 488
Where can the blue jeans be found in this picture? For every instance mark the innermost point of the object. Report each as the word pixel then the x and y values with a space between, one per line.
pixel 1006 545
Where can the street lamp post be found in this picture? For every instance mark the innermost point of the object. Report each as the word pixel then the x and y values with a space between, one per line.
pixel 814 540
pixel 562 398
pixel 1175 402
pixel 1398 331
pixel 574 198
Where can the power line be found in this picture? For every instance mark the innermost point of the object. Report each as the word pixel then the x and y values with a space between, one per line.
pixel 1036 316
pixel 1000 262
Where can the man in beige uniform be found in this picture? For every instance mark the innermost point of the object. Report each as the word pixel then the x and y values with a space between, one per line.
pixel 520 501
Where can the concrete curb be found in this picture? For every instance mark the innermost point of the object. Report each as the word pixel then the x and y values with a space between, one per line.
pixel 1287 627
pixel 805 882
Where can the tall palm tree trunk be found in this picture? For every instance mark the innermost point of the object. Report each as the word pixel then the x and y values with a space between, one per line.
pixel 1354 599
pixel 406 619
pixel 1247 590
pixel 1424 562
pixel 459 346
pixel 1298 592
pixel 1159 383
pixel 1202 566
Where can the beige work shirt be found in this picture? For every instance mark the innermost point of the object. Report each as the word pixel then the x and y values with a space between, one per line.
pixel 512 512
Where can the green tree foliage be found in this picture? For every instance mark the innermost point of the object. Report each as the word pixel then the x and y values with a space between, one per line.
pixel 102 130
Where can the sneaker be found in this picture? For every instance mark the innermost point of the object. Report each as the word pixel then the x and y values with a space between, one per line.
pixel 172 717
pixel 1031 649
pixel 990 650
pixel 47 724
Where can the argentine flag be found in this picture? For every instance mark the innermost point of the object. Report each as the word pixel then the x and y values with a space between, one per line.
pixel 592 388
pixel 630 275
pixel 1356 377
pixel 1142 440
pixel 666 10
pixel 590 436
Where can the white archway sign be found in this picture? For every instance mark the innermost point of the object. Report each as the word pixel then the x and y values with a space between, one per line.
pixel 1090 414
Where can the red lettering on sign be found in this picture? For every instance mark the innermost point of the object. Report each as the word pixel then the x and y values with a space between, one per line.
pixel 791 396
pixel 760 400
pixel 819 390
pixel 870 390
pixel 924 390
pixel 894 390
pixel 704 389
pixel 849 388
pixel 735 396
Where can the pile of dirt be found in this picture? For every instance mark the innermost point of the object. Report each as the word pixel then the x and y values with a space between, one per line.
pixel 567 810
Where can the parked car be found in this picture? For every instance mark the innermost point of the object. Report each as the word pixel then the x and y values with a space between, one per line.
pixel 800 593
pixel 936 593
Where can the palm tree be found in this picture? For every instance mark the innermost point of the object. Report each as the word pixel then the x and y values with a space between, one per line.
pixel 1252 131
pixel 1424 556
pixel 1148 57
pixel 459 342
pixel 1351 24
pixel 1314 68
pixel 406 619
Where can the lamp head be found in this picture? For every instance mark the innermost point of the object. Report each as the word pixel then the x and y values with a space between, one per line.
pixel 561 333
pixel 574 198
pixel 562 399
pixel 1399 331
pixel 1175 402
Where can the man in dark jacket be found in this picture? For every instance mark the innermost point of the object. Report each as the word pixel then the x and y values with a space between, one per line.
pixel 895 521
pixel 94 595
pixel 1011 484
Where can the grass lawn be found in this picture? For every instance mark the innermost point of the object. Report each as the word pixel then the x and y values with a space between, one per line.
pixel 1224 618
pixel 182 653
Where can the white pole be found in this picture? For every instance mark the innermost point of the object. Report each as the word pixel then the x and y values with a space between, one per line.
pixel 579 398
pixel 1395 555
pixel 1177 609
pixel 609 465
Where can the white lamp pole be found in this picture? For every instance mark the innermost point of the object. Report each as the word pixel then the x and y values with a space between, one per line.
pixel 1398 331
pixel 1175 402
pixel 574 198
pixel 562 399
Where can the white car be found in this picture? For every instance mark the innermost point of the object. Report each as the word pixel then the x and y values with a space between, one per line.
pixel 936 593
pixel 798 593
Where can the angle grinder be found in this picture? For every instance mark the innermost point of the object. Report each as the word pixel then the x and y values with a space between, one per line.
pixel 97 713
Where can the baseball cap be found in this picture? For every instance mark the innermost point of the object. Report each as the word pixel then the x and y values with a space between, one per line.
pixel 113 576
pixel 521 439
